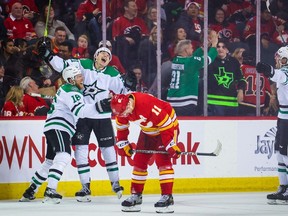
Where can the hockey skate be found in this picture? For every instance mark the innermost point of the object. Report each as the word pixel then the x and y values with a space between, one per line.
pixel 283 198
pixel 132 203
pixel 50 195
pixel 117 189
pixel 274 197
pixel 28 195
pixel 164 205
pixel 84 194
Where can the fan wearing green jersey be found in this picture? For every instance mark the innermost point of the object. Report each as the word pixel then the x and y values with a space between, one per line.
pixel 183 91
pixel 68 106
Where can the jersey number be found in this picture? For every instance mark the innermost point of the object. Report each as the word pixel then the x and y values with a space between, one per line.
pixel 175 79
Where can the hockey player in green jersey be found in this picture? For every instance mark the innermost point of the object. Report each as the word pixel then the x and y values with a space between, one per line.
pixel 100 122
pixel 60 126
pixel 183 91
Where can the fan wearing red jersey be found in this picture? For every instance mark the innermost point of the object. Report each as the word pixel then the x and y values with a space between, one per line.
pixel 159 131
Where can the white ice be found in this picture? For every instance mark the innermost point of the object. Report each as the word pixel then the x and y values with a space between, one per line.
pixel 204 204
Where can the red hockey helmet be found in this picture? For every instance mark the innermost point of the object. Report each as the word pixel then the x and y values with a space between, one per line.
pixel 119 103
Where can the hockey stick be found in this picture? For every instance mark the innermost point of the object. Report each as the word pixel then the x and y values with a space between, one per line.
pixel 216 152
pixel 47 20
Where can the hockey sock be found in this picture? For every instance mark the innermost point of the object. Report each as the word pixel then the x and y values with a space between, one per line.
pixel 139 177
pixel 81 157
pixel 56 170
pixel 41 175
pixel 166 179
pixel 282 172
pixel 109 155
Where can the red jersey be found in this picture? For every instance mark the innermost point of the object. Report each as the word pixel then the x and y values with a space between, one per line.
pixel 267 28
pixel 124 26
pixel 19 28
pixel 32 103
pixel 87 7
pixel 249 72
pixel 229 32
pixel 154 116
pixel 80 52
pixel 28 5
pixel 9 109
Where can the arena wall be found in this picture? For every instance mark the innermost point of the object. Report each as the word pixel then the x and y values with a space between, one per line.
pixel 246 162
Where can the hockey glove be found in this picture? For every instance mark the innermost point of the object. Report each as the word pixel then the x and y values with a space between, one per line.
pixel 103 106
pixel 125 148
pixel 43 49
pixel 266 69
pixel 130 80
pixel 173 150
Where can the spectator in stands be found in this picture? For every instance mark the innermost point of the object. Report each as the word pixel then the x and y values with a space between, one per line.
pixel 246 10
pixel 81 51
pixel 10 57
pixel 225 29
pixel 115 61
pixel 18 26
pixel 267 30
pixel 60 36
pixel 30 9
pixel 5 84
pixel 117 8
pixel 53 23
pixel 33 102
pixel 183 90
pixel 226 83
pixel 179 33
pixel 151 18
pixel 247 107
pixel 127 32
pixel 89 19
pixel 14 103
pixel 191 21
pixel 137 70
pixel 147 55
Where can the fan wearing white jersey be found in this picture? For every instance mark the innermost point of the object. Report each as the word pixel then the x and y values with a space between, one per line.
pixel 99 122
pixel 280 77
pixel 60 126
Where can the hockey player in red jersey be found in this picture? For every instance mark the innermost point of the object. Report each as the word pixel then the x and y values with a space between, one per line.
pixel 159 131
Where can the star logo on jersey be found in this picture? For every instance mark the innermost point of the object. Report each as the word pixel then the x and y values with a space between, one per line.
pixel 224 78
pixel 92 90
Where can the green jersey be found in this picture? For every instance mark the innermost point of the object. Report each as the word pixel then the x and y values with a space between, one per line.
pixel 183 88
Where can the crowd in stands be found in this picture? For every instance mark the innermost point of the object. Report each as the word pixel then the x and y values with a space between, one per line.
pixel 75 29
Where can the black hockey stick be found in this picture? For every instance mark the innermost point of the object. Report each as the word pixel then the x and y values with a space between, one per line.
pixel 214 153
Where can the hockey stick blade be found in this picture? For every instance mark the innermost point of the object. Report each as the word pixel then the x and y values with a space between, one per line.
pixel 216 152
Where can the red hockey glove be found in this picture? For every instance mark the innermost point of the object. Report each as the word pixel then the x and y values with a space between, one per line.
pixel 124 148
pixel 173 150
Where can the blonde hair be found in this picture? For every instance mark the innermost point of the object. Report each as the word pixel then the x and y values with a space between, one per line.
pixel 85 37
pixel 15 95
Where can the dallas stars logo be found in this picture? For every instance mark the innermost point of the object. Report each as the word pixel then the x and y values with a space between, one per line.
pixel 224 78
pixel 92 90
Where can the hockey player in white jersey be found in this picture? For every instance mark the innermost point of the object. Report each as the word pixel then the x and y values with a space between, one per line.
pixel 99 122
pixel 280 77
pixel 60 126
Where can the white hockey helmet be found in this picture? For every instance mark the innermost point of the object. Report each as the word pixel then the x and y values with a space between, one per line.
pixel 282 56
pixel 70 72
pixel 103 49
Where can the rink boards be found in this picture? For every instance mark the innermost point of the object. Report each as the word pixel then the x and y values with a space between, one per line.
pixel 246 162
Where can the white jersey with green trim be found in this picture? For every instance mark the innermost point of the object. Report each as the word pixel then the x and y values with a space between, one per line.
pixel 97 83
pixel 281 78
pixel 67 107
